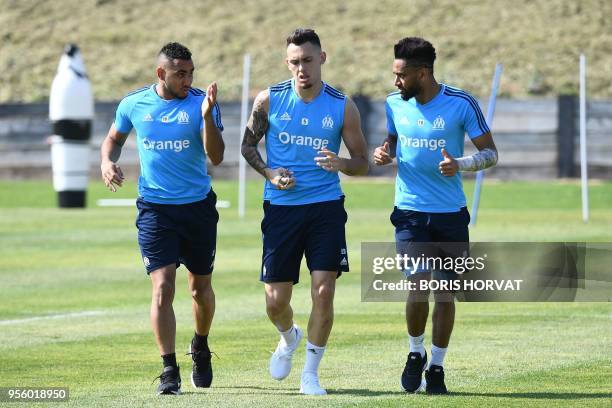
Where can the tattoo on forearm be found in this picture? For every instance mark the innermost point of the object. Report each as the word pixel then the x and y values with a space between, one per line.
pixel 255 130
pixel 478 161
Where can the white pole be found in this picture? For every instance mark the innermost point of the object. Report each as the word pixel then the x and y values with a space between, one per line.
pixel 244 111
pixel 583 144
pixel 490 113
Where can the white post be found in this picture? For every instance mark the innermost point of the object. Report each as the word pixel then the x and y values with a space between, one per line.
pixel 490 113
pixel 244 112
pixel 583 144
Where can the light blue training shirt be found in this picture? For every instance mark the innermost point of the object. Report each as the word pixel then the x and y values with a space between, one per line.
pixel 422 131
pixel 297 131
pixel 170 145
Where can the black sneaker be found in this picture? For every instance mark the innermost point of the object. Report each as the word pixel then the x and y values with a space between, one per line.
pixel 169 381
pixel 435 380
pixel 413 372
pixel 201 375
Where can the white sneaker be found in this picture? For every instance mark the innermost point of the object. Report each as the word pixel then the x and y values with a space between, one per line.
pixel 280 362
pixel 310 385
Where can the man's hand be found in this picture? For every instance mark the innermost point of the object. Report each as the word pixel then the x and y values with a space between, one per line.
pixel 448 167
pixel 112 175
pixel 209 101
pixel 382 155
pixel 329 161
pixel 280 177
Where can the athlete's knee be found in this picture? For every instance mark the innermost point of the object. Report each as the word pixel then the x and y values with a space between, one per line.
pixel 323 294
pixel 444 303
pixel 276 307
pixel 418 296
pixel 163 294
pixel 444 298
pixel 203 294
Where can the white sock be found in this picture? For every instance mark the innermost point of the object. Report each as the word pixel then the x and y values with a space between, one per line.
pixel 416 344
pixel 289 336
pixel 437 356
pixel 314 354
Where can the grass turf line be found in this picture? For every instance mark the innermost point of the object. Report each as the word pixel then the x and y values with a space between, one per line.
pixel 62 261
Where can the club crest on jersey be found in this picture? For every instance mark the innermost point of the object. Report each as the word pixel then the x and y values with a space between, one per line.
pixel 304 121
pixel 421 122
pixel 327 122
pixel 165 119
pixel 147 118
pixel 183 117
pixel 438 123
pixel 285 116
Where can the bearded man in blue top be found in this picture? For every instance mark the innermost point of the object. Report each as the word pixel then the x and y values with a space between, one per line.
pixel 304 120
pixel 177 128
pixel 426 123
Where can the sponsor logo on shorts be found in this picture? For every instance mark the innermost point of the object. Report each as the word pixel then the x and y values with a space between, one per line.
pixel 146 261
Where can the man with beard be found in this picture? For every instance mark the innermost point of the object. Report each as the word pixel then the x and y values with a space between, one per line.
pixel 426 123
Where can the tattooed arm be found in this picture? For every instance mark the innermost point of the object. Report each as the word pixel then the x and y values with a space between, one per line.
pixel 255 130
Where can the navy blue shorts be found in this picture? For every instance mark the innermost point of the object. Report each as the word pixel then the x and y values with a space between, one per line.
pixel 291 231
pixel 423 234
pixel 178 234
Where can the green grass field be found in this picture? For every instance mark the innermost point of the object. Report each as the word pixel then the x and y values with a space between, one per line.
pixel 75 300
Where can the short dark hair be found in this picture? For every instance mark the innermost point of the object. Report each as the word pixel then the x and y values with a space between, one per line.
pixel 416 52
pixel 174 50
pixel 303 35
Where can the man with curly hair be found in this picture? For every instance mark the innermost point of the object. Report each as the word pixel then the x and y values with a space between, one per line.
pixel 427 122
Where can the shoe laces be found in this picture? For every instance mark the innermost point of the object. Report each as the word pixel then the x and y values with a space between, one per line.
pixel 414 365
pixel 284 351
pixel 201 359
pixel 165 376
